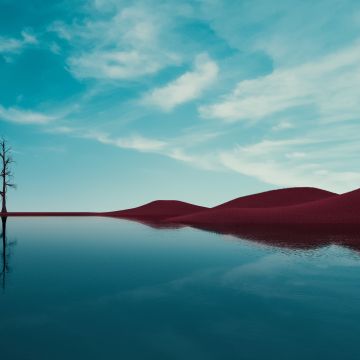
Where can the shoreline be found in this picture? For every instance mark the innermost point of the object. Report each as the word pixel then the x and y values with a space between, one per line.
pixel 44 213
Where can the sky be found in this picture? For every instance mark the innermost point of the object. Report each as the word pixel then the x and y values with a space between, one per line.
pixel 111 104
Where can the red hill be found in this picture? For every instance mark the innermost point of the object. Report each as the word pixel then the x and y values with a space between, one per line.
pixel 336 209
pixel 158 210
pixel 275 198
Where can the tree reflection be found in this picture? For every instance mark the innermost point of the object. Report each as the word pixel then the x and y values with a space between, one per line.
pixel 4 265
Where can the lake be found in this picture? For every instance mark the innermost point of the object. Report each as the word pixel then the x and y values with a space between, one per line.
pixel 101 288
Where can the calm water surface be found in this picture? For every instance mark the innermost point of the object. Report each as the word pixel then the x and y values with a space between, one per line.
pixel 93 288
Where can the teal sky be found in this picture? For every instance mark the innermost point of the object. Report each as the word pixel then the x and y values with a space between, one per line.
pixel 109 104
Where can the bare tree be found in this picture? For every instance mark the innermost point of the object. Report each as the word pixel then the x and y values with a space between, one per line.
pixel 6 173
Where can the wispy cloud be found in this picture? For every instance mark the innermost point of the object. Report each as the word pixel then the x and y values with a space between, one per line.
pixel 180 148
pixel 325 86
pixel 307 161
pixel 135 142
pixel 187 87
pixel 125 45
pixel 116 64
pixel 60 130
pixel 55 48
pixel 283 125
pixel 16 45
pixel 290 163
pixel 21 116
pixel 175 148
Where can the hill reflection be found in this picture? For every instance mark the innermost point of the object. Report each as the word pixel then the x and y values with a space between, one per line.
pixel 296 236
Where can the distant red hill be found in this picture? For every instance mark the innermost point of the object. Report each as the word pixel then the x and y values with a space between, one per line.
pixel 336 209
pixel 158 210
pixel 280 197
pixel 265 207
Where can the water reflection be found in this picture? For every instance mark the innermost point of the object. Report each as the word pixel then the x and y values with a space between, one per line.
pixel 106 288
pixel 296 236
pixel 4 268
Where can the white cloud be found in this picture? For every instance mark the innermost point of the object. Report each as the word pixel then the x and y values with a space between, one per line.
pixel 9 45
pixel 140 143
pixel 15 46
pixel 135 142
pixel 55 48
pixel 187 87
pixel 280 163
pixel 174 148
pixel 124 45
pixel 326 86
pixel 62 30
pixel 21 116
pixel 309 161
pixel 295 155
pixel 28 38
pixel 282 125
pixel 104 4
pixel 114 64
pixel 60 130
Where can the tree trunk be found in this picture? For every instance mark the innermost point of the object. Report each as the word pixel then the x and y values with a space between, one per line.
pixel 3 209
pixel 3 195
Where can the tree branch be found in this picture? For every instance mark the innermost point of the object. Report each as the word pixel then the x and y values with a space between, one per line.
pixel 9 160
